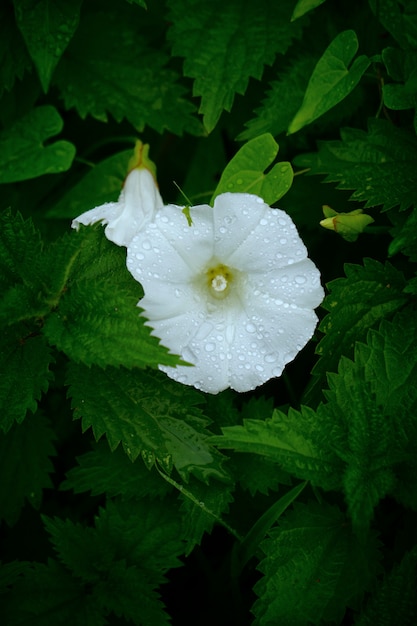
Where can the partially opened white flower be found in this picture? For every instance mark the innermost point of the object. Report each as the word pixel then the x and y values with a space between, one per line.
pixel 137 203
pixel 232 291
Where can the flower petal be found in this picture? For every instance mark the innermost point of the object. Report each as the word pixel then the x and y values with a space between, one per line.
pixel 135 208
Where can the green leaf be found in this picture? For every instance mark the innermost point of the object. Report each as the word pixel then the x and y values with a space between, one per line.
pixel 332 79
pixel 370 449
pixel 47 27
pixel 295 441
pixel 313 568
pixel 394 601
pixel 24 372
pixel 399 18
pixel 113 473
pixel 103 183
pixel 14 59
pixel 25 466
pixel 148 414
pixel 47 595
pixel 304 6
pixel 97 320
pixel 201 511
pixel 245 172
pixel 249 545
pixel 226 44
pixel 356 303
pixel 22 149
pixel 283 99
pixel 380 165
pixel 124 74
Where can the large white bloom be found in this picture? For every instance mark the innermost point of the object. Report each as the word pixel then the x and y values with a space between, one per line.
pixel 233 292
pixel 137 204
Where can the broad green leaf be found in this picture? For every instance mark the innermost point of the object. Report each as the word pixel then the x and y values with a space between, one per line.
pixel 332 79
pixel 46 594
pixel 394 601
pixel 147 414
pixel 25 465
pixel 47 27
pixel 103 183
pixel 224 44
pixel 245 172
pixel 24 372
pixel 304 6
pixel 23 154
pixel 97 319
pixel 14 59
pixel 313 568
pixel 380 165
pixel 103 471
pixel 124 74
pixel 355 303
pixel 295 441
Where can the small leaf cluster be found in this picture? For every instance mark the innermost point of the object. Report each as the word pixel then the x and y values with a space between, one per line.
pixel 126 497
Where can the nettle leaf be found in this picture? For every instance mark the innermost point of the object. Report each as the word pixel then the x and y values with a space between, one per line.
pixel 332 79
pixel 394 602
pixel 123 74
pixel 301 442
pixel 47 27
pixel 25 465
pixel 148 414
pixel 103 183
pixel 14 59
pixel 203 509
pixel 380 165
pixel 367 294
pixel 24 372
pixel 313 568
pixel 245 172
pixel 97 320
pixel 23 154
pixel 370 449
pixel 47 594
pixel 283 99
pixel 113 473
pixel 125 557
pixel 226 44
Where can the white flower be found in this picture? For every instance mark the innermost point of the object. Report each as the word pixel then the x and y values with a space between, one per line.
pixel 232 291
pixel 136 206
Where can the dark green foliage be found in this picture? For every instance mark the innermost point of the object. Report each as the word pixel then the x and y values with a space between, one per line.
pixel 126 497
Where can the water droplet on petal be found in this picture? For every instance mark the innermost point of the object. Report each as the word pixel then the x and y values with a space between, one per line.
pixel 300 280
pixel 209 347
pixel 140 256
pixel 250 327
pixel 270 358
pixel 263 222
pixel 146 245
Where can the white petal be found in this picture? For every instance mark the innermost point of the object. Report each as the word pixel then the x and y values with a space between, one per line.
pixel 135 208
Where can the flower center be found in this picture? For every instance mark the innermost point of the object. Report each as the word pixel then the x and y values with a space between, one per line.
pixel 219 278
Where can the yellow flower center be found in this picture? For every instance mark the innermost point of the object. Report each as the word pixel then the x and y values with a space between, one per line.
pixel 219 279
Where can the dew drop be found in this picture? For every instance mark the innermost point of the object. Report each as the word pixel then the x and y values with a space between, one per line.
pixel 263 222
pixel 283 240
pixel 300 280
pixel 209 347
pixel 250 327
pixel 146 245
pixel 222 230
pixel 140 256
pixel 270 358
